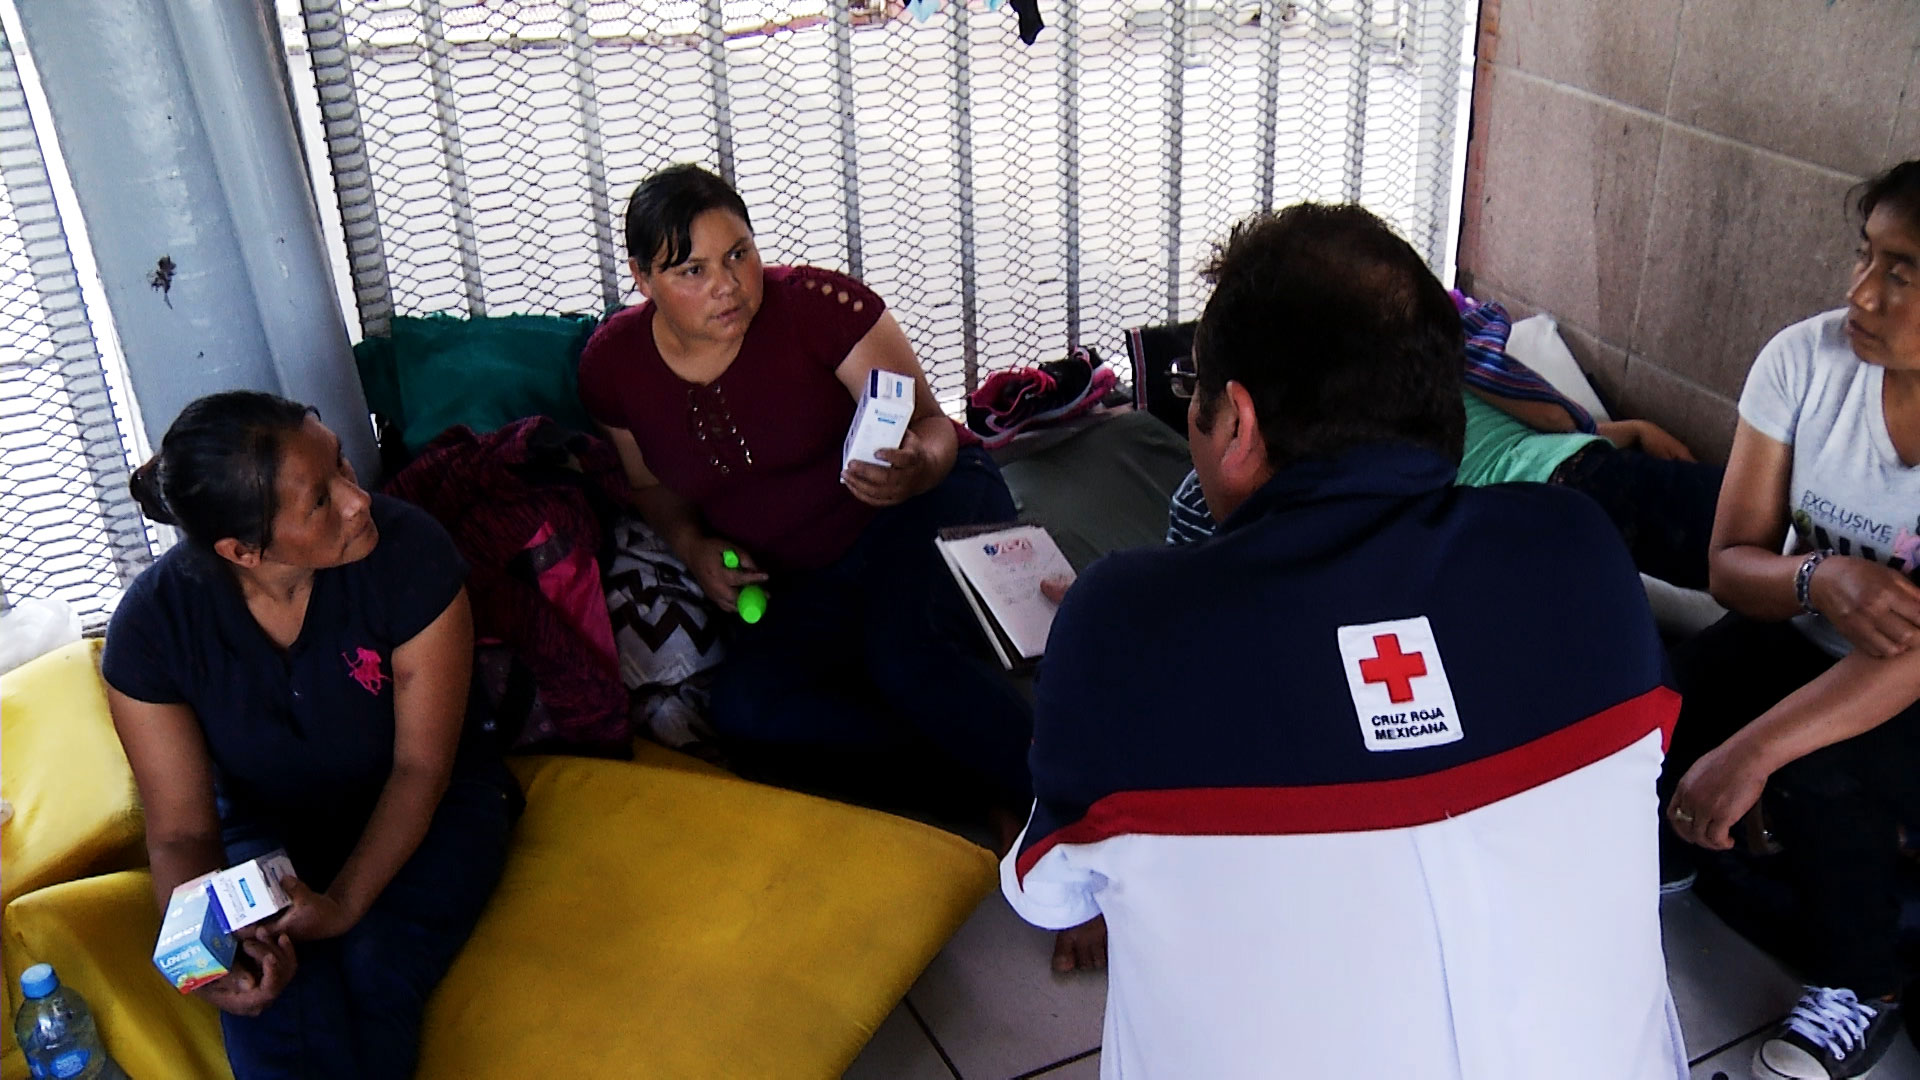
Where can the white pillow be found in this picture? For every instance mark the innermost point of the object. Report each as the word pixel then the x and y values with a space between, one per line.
pixel 1536 343
pixel 1681 612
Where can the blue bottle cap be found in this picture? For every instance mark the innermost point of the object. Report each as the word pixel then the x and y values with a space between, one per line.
pixel 38 981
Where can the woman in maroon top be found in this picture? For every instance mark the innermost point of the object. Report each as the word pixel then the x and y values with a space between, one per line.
pixel 728 395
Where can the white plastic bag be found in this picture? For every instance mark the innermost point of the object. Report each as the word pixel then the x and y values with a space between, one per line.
pixel 34 628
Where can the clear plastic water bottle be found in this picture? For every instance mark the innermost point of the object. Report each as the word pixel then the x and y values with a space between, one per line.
pixel 56 1031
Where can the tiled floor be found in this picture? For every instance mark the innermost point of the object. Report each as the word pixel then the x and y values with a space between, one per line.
pixel 988 1008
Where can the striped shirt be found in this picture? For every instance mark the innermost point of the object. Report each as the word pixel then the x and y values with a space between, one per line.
pixel 1188 519
pixel 1489 369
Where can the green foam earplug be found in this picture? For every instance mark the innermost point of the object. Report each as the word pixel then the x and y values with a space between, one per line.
pixel 752 603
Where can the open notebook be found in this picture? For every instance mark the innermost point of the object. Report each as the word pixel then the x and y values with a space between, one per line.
pixel 999 569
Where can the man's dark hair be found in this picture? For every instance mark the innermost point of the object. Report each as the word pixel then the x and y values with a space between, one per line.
pixel 218 466
pixel 1337 330
pixel 660 214
pixel 1898 189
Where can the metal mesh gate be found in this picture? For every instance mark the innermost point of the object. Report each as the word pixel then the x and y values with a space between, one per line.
pixel 68 528
pixel 1007 200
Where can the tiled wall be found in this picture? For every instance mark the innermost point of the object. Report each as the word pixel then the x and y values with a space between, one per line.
pixel 1669 178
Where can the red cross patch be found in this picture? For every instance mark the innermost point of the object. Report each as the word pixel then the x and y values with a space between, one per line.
pixel 1399 684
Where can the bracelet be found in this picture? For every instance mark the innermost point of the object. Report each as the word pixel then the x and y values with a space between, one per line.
pixel 1803 579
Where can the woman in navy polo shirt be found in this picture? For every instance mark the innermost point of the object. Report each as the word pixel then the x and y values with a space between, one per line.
pixel 295 675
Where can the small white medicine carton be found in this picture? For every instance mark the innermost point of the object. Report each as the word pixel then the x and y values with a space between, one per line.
pixel 253 890
pixel 880 421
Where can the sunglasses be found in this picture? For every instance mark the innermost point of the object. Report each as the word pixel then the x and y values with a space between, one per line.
pixel 1182 378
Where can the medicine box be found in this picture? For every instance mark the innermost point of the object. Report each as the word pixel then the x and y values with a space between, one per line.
pixel 196 944
pixel 253 890
pixel 880 420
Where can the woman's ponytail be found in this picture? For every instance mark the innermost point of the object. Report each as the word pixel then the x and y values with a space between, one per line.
pixel 144 485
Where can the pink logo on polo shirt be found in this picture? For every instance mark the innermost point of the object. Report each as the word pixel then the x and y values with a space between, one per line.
pixel 364 665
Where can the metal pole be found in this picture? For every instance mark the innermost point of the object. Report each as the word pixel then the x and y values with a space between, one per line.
pixel 240 92
pixel 185 162
pixel 1270 27
pixel 849 141
pixel 73 353
pixel 587 102
pixel 1176 109
pixel 963 149
pixel 327 49
pixel 1070 158
pixel 447 113
pixel 1357 117
pixel 1438 55
pixel 713 22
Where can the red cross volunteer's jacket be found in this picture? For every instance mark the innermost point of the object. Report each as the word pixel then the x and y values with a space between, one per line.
pixel 1364 787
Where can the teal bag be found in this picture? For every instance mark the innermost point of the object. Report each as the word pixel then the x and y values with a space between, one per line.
pixel 442 371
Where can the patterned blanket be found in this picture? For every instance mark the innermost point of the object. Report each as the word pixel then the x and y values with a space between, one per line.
pixel 666 633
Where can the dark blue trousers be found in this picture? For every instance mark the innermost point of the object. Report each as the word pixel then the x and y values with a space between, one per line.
pixel 1663 509
pixel 880 649
pixel 1837 811
pixel 355 1003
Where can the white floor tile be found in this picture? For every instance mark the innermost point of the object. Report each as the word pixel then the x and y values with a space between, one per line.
pixel 996 1006
pixel 1735 1063
pixel 1087 1068
pixel 1901 1063
pixel 998 1011
pixel 899 1051
pixel 1723 986
pixel 1730 1064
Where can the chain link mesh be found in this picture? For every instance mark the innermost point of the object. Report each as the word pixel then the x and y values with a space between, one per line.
pixel 68 528
pixel 1007 200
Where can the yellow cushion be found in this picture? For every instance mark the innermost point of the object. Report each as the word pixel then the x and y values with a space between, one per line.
pixel 660 921
pixel 656 918
pixel 98 934
pixel 61 766
pixel 74 808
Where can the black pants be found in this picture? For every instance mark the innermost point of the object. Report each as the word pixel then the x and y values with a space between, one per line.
pixel 1663 509
pixel 879 651
pixel 1836 811
pixel 356 1001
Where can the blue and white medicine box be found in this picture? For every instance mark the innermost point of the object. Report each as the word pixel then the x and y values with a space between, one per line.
pixel 880 421
pixel 196 943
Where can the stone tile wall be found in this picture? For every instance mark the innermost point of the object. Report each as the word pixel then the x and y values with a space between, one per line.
pixel 1670 179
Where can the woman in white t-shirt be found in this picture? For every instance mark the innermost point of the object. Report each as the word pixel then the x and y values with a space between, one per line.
pixel 1807 693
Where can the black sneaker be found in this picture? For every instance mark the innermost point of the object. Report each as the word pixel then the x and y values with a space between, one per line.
pixel 1677 872
pixel 1829 1035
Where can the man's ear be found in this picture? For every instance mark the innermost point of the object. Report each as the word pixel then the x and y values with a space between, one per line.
pixel 237 553
pixel 1245 460
pixel 640 278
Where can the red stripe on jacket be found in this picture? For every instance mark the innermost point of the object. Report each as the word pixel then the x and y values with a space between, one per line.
pixel 1378 804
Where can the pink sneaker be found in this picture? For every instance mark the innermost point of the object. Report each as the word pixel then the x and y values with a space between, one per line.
pixel 1011 401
